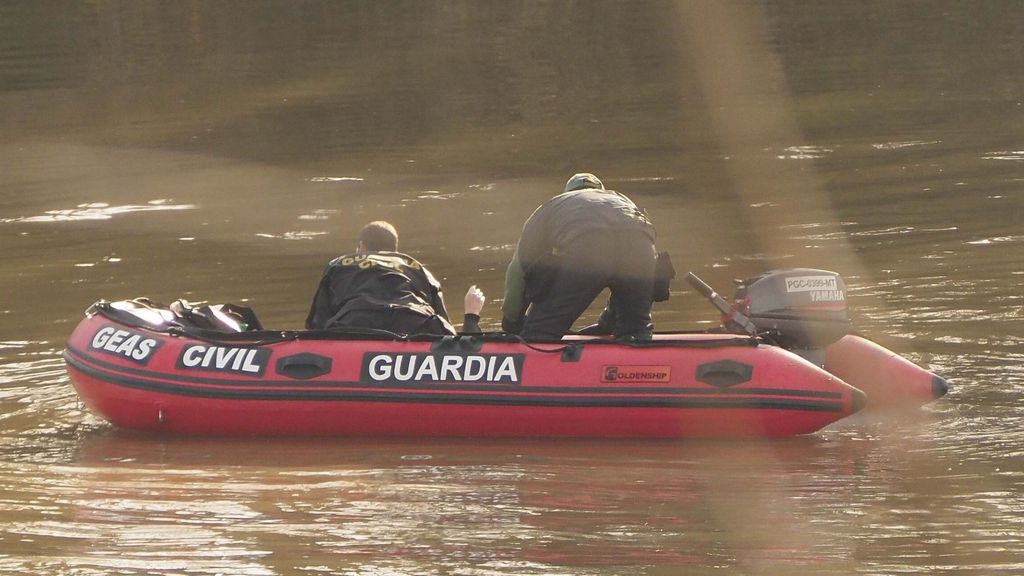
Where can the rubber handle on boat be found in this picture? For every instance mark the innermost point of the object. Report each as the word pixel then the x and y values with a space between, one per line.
pixel 702 287
pixel 731 314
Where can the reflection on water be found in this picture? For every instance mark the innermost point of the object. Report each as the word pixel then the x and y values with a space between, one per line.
pixel 204 151
pixel 1014 155
pixel 293 235
pixel 899 145
pixel 797 504
pixel 336 179
pixel 98 211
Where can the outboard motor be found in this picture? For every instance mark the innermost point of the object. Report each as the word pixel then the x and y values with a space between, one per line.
pixel 801 309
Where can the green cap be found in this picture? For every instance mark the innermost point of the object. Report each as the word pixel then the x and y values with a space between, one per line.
pixel 583 180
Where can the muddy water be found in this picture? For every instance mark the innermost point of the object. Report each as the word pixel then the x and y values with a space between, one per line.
pixel 226 151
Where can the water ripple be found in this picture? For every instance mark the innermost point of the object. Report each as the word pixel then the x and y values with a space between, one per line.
pixel 1010 155
pixel 804 153
pixel 336 179
pixel 292 235
pixel 100 211
pixel 429 195
pixel 906 144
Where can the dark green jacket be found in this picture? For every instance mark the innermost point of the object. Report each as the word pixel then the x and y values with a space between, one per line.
pixel 552 227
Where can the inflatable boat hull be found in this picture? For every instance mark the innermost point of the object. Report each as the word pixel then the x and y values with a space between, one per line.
pixel 888 379
pixel 295 384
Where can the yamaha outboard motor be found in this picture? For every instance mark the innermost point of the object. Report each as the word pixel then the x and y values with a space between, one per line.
pixel 801 309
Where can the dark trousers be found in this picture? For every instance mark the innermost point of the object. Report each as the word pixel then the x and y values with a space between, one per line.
pixel 622 261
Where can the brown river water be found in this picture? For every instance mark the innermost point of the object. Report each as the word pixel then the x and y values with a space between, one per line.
pixel 224 151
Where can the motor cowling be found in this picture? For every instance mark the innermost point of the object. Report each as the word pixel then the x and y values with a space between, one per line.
pixel 798 308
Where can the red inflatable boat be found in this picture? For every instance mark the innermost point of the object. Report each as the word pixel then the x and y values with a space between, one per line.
pixel 148 367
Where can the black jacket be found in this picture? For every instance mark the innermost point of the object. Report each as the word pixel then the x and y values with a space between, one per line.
pixel 381 290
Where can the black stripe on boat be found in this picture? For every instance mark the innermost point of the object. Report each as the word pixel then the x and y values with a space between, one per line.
pixel 520 396
pixel 105 370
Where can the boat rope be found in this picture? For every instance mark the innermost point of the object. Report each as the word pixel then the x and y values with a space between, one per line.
pixel 176 327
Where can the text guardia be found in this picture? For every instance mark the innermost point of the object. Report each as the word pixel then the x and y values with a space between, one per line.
pixel 401 368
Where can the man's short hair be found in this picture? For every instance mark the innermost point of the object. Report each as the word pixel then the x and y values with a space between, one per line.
pixel 379 236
